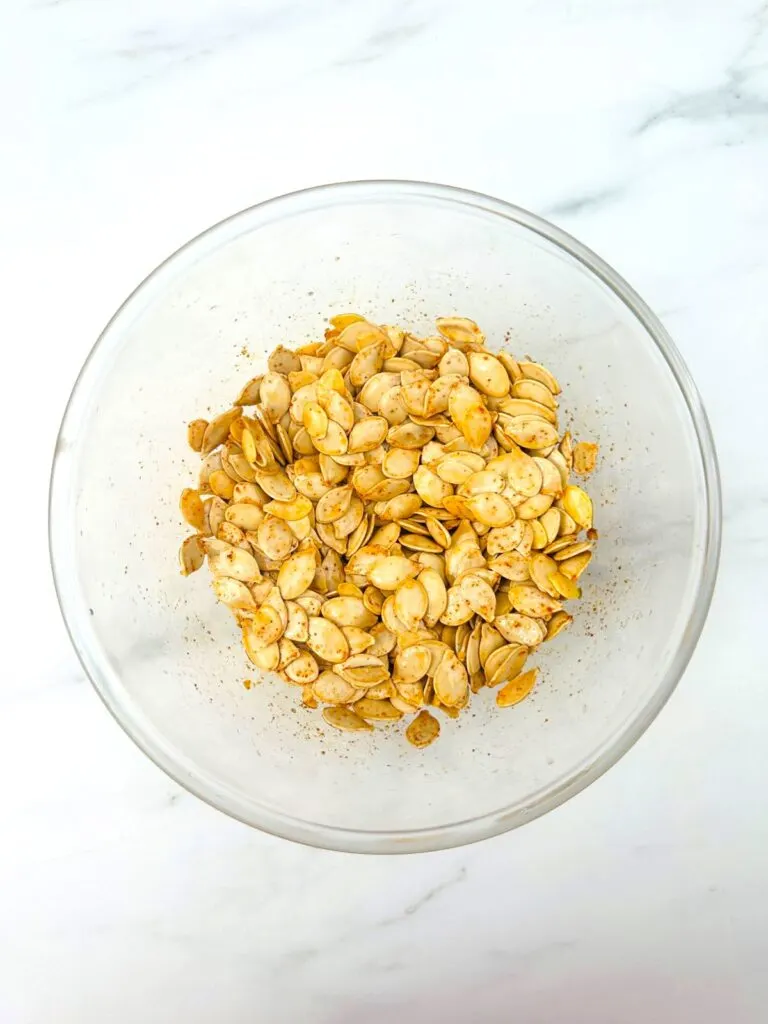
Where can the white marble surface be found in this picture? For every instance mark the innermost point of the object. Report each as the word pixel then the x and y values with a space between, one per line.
pixel 640 126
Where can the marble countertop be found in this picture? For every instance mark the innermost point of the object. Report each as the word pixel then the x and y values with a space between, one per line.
pixel 642 128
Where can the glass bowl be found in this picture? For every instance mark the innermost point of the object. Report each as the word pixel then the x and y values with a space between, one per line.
pixel 167 660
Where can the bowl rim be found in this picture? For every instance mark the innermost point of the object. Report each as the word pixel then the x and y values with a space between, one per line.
pixel 493 823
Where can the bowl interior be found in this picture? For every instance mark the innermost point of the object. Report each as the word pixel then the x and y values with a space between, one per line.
pixel 168 660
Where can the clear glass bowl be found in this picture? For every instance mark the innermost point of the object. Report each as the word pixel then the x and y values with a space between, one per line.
pixel 167 660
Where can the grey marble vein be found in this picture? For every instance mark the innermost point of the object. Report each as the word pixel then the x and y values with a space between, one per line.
pixel 736 97
pixel 585 202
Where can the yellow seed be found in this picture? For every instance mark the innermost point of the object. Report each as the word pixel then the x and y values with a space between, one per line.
pixel 389 572
pixel 564 586
pixel 315 420
pixel 192 508
pixel 578 504
pixel 391 521
pixel 344 718
pixel 195 434
pixel 487 374
pixel 573 567
pixel 423 730
pixel 516 689
pixel 221 484
pixel 468 412
pixel 191 554
pixel 376 710
pixel 558 622
pixel 491 509
pixel 584 457
pixel 297 572
pixel 289 510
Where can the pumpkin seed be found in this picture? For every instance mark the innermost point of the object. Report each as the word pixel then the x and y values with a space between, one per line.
pixel 296 573
pixel 195 434
pixel 275 396
pixel 191 505
pixel 458 467
pixel 411 665
pixel 528 599
pixel 363 670
pixel 222 485
pixel 397 507
pixel 521 629
pixel 400 463
pixel 564 586
pixel 357 639
pixel 289 510
pixel 348 611
pixel 411 603
pixel 423 730
pixel 450 680
pixel 333 504
pixel 510 365
pixel 490 641
pixel 235 563
pixel 565 548
pixel 191 554
pixel 535 371
pixel 368 434
pixel 584 458
pixel 233 593
pixel 297 627
pixel 487 374
pixel 534 391
pixel 516 689
pixel 460 331
pixel 288 651
pixel 530 431
pixel 217 430
pixel 469 413
pixel 578 505
pixel 573 567
pixel 437 597
pixel 344 718
pixel 550 524
pixel 263 629
pixel 526 407
pixel 302 670
pixel 244 515
pixel 503 539
pixel 491 509
pixel 333 442
pixel 479 595
pixel 458 609
pixel 274 538
pixel 315 420
pixel 376 710
pixel 430 488
pixel 541 568
pixel 559 621
pixel 568 525
pixel 505 663
pixel 326 640
pixel 332 689
pixel 282 360
pixel 389 572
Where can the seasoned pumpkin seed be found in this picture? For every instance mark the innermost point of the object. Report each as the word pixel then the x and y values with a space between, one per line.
pixel 191 554
pixel 391 521
pixel 516 689
pixel 423 730
pixel 344 718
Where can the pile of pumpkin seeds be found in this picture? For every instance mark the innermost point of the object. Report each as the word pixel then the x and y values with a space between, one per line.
pixel 391 520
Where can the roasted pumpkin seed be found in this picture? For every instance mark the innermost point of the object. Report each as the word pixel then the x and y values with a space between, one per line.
pixel 395 507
